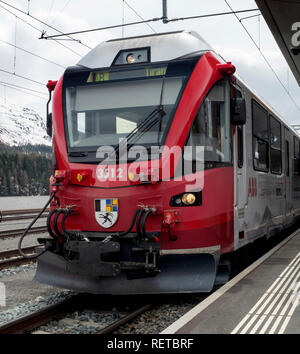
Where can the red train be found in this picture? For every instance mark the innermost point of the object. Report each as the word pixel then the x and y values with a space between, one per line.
pixel 164 165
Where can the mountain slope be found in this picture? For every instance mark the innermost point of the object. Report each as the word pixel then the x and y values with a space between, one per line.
pixel 22 126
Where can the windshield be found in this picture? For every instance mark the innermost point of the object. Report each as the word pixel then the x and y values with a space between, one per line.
pixel 100 115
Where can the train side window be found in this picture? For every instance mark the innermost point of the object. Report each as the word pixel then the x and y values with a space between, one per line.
pixel 275 152
pixel 260 130
pixel 296 156
pixel 210 131
pixel 287 156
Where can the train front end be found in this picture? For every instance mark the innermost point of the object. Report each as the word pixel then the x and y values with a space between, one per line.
pixel 142 169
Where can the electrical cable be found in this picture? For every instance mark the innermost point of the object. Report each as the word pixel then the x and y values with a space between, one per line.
pixel 29 52
pixel 15 46
pixel 44 23
pixel 49 12
pixel 17 89
pixel 60 12
pixel 49 229
pixel 66 232
pixel 138 223
pixel 145 21
pixel 131 225
pixel 40 31
pixel 22 77
pixel 22 87
pixel 58 213
pixel 139 15
pixel 32 256
pixel 144 233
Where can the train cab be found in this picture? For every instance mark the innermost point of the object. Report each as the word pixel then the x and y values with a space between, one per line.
pixel 148 138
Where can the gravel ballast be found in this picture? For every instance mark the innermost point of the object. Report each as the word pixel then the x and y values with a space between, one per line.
pixel 32 306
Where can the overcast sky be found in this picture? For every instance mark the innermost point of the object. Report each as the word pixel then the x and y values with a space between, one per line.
pixel 224 33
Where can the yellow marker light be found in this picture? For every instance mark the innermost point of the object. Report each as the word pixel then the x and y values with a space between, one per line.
pixel 130 58
pixel 79 177
pixel 188 199
pixel 131 176
pixel 56 173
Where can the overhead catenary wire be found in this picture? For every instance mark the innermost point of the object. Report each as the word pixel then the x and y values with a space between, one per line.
pixel 60 12
pixel 22 87
pixel 22 77
pixel 15 46
pixel 247 17
pixel 33 54
pixel 23 91
pixel 50 10
pixel 42 22
pixel 264 57
pixel 145 21
pixel 152 29
pixel 40 31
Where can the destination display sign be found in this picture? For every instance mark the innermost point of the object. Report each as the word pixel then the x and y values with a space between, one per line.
pixel 148 71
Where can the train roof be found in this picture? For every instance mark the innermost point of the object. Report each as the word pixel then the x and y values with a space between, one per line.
pixel 266 104
pixel 163 47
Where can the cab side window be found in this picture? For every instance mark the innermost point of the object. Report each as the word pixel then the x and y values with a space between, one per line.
pixel 260 130
pixel 275 140
pixel 210 131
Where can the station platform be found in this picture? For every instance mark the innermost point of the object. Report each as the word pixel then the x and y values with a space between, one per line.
pixel 262 299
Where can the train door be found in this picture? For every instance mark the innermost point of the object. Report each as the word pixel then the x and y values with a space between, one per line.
pixel 241 182
pixel 288 150
pixel 240 165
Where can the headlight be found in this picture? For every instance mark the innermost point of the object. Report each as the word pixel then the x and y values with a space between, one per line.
pixel 188 199
pixel 130 58
pixel 193 198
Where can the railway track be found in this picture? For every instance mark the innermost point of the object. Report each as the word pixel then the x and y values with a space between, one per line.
pixel 12 258
pixel 18 232
pixel 64 312
pixel 30 323
pixel 12 215
pixel 17 215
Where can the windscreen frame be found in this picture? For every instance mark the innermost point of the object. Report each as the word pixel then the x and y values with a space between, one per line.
pixel 74 77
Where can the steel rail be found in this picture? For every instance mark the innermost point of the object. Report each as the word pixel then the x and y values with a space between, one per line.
pixel 21 212
pixel 20 217
pixel 18 232
pixel 111 328
pixel 15 253
pixel 29 323
pixel 12 258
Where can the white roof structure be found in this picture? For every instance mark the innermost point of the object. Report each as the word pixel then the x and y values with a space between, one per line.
pixel 282 18
pixel 164 47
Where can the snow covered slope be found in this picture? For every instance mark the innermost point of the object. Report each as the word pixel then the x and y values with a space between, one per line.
pixel 22 126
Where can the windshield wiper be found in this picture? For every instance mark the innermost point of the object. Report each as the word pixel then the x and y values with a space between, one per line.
pixel 146 124
pixel 153 118
pixel 77 154
pixel 142 127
